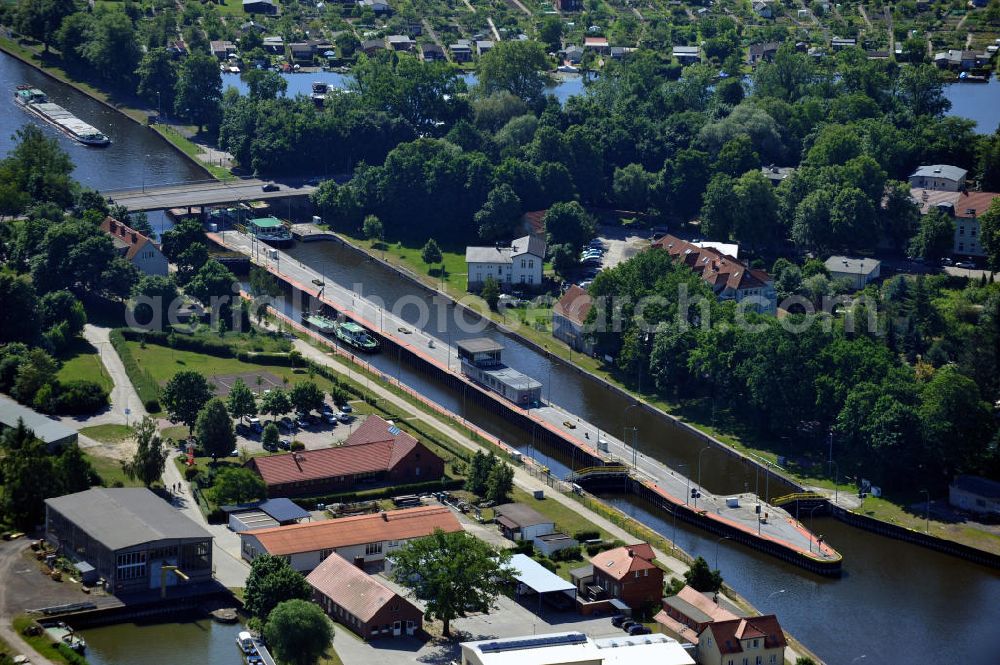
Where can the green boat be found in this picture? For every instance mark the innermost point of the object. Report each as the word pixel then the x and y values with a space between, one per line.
pixel 321 323
pixel 355 336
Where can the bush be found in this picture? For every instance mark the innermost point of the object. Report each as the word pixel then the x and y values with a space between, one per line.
pixel 191 473
pixel 524 547
pixel 445 484
pixel 586 534
pixel 548 565
pixel 146 387
pixel 597 548
pixel 266 358
pixel 78 398
pixel 298 445
pixel 568 554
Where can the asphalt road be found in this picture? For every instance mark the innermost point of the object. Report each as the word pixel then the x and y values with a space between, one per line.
pixel 205 193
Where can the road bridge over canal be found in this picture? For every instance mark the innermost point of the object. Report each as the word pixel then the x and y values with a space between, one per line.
pixel 205 193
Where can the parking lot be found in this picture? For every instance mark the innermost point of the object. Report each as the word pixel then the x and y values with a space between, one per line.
pixel 510 619
pixel 612 246
pixel 317 433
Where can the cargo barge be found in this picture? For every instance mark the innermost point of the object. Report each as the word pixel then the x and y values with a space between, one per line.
pixel 37 103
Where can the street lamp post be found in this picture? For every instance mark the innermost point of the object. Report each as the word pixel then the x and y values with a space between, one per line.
pixel 687 491
pixel 927 512
pixel 700 453
pixel 836 477
pixel 811 530
pixel 624 429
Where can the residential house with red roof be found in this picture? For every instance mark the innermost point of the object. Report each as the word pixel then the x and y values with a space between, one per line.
pixel 686 614
pixel 361 602
pixel 745 641
pixel 569 315
pixel 361 539
pixel 730 278
pixel 965 208
pixel 629 574
pixel 377 453
pixel 139 250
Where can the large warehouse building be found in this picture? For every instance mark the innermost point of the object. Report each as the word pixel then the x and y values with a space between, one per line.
pixel 50 432
pixel 134 539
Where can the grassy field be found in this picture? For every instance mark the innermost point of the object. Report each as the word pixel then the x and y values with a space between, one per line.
pixel 408 256
pixel 110 470
pixel 192 150
pixel 163 362
pixel 109 433
pixel 81 361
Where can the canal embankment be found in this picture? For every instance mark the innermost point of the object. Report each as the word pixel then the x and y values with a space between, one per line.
pixel 170 135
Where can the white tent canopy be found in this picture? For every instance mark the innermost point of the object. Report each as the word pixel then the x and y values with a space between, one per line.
pixel 539 579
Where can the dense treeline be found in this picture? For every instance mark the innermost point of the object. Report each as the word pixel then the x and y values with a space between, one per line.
pixel 904 383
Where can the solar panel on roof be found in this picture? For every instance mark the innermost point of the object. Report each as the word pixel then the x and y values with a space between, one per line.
pixel 530 643
pixel 395 431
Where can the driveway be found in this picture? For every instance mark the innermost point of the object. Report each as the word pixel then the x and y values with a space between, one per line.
pixel 510 619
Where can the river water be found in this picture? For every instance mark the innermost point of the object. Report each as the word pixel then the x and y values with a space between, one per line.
pixel 895 602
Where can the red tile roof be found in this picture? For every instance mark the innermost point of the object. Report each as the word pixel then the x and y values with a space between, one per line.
pixel 968 205
pixel 621 561
pixel 403 524
pixel 728 634
pixel 721 271
pixel 375 446
pixel 125 236
pixel 350 587
pixel 575 305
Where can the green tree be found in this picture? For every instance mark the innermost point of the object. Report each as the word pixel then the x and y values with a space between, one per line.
pixel 515 67
pixel 179 239
pixel 453 573
pixel 499 215
pixel 269 438
pixel 935 236
pixel 62 307
pixel 74 472
pixel 479 471
pixel 157 78
pixel 150 459
pixel 29 479
pixel 265 84
pixel 632 186
pixel 73 34
pixel 500 483
pixel 40 19
pixel 306 396
pixel 989 235
pixel 184 396
pixel 491 292
pixel 737 156
pixel 275 402
pixel 719 210
pixel 212 281
pixel 431 253
pixel 920 90
pixel 237 485
pixel 755 220
pixel 701 578
pixel 550 32
pixel 564 259
pixel 240 401
pixel 152 298
pixel 20 321
pixel 568 223
pixel 38 370
pixel 112 49
pixel 271 582
pixel 299 632
pixel 372 228
pixel 215 429
pixel 199 90
pixel 37 170
pixel 900 215
pixel 989 163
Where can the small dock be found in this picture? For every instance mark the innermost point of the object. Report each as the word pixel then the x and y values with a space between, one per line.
pixel 758 524
pixel 309 232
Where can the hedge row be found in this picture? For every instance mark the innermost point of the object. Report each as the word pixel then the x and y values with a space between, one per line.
pixel 143 382
pixel 444 484
pixel 173 340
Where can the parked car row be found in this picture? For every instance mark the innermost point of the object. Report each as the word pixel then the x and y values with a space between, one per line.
pixel 289 424
pixel 630 626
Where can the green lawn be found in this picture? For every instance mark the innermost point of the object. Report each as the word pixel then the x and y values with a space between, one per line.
pixel 82 362
pixel 108 433
pixel 110 470
pixel 44 646
pixel 189 148
pixel 163 362
pixel 407 255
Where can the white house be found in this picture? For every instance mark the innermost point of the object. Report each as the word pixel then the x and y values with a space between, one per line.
pixel 858 271
pixel 975 494
pixel 942 177
pixel 520 264
pixel 137 248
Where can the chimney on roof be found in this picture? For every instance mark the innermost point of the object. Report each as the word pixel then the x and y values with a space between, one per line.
pixel 630 553
pixel 135 237
pixel 385 516
pixel 112 226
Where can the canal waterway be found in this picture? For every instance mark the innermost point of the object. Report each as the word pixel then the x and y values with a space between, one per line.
pixel 896 602
pixel 203 642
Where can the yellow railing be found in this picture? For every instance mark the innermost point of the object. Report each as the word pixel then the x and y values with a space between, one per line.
pixel 797 496
pixel 591 470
